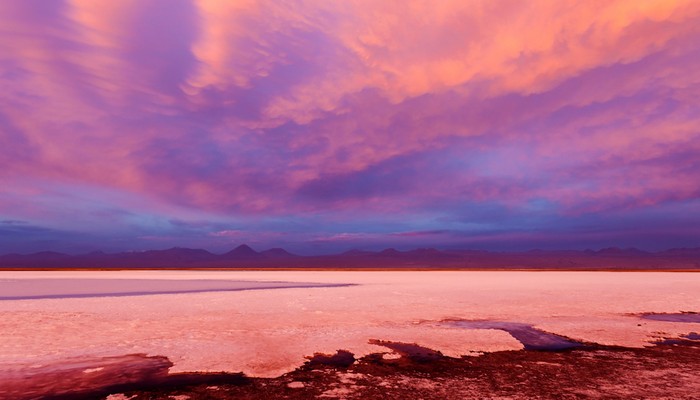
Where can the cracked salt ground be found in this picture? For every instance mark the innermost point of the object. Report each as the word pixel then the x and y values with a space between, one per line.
pixel 266 333
pixel 347 385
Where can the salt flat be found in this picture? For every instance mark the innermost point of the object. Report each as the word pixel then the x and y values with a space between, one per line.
pixel 268 332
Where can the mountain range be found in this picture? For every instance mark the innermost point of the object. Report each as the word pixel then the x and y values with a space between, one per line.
pixel 244 256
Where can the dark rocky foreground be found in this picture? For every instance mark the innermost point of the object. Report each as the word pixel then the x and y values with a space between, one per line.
pixel 670 370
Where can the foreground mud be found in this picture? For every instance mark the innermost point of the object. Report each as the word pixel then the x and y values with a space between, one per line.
pixel 664 371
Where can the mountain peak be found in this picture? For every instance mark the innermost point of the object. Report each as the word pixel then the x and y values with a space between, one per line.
pixel 390 252
pixel 242 251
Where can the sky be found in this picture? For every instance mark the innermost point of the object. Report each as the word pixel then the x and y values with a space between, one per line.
pixel 321 126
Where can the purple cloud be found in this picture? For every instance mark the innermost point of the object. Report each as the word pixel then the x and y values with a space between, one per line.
pixel 363 124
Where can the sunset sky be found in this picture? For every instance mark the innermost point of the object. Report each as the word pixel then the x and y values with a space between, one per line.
pixel 321 126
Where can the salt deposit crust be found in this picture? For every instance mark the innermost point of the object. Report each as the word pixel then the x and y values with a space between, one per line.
pixel 268 332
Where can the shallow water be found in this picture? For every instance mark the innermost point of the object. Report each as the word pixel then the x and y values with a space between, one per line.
pixel 530 337
pixel 26 289
pixel 692 336
pixel 673 317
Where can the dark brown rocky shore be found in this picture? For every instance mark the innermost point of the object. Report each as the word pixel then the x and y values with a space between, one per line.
pixel 668 370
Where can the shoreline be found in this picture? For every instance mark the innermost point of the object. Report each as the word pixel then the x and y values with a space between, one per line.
pixel 433 323
pixel 355 269
pixel 590 371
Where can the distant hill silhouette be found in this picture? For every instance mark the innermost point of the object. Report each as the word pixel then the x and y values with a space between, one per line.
pixel 244 256
pixel 242 251
pixel 277 253
pixel 391 252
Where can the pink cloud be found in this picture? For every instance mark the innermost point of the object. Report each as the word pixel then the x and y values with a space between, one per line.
pixel 228 233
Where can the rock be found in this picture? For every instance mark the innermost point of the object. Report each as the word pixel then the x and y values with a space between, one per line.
pixel 83 377
pixel 342 358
